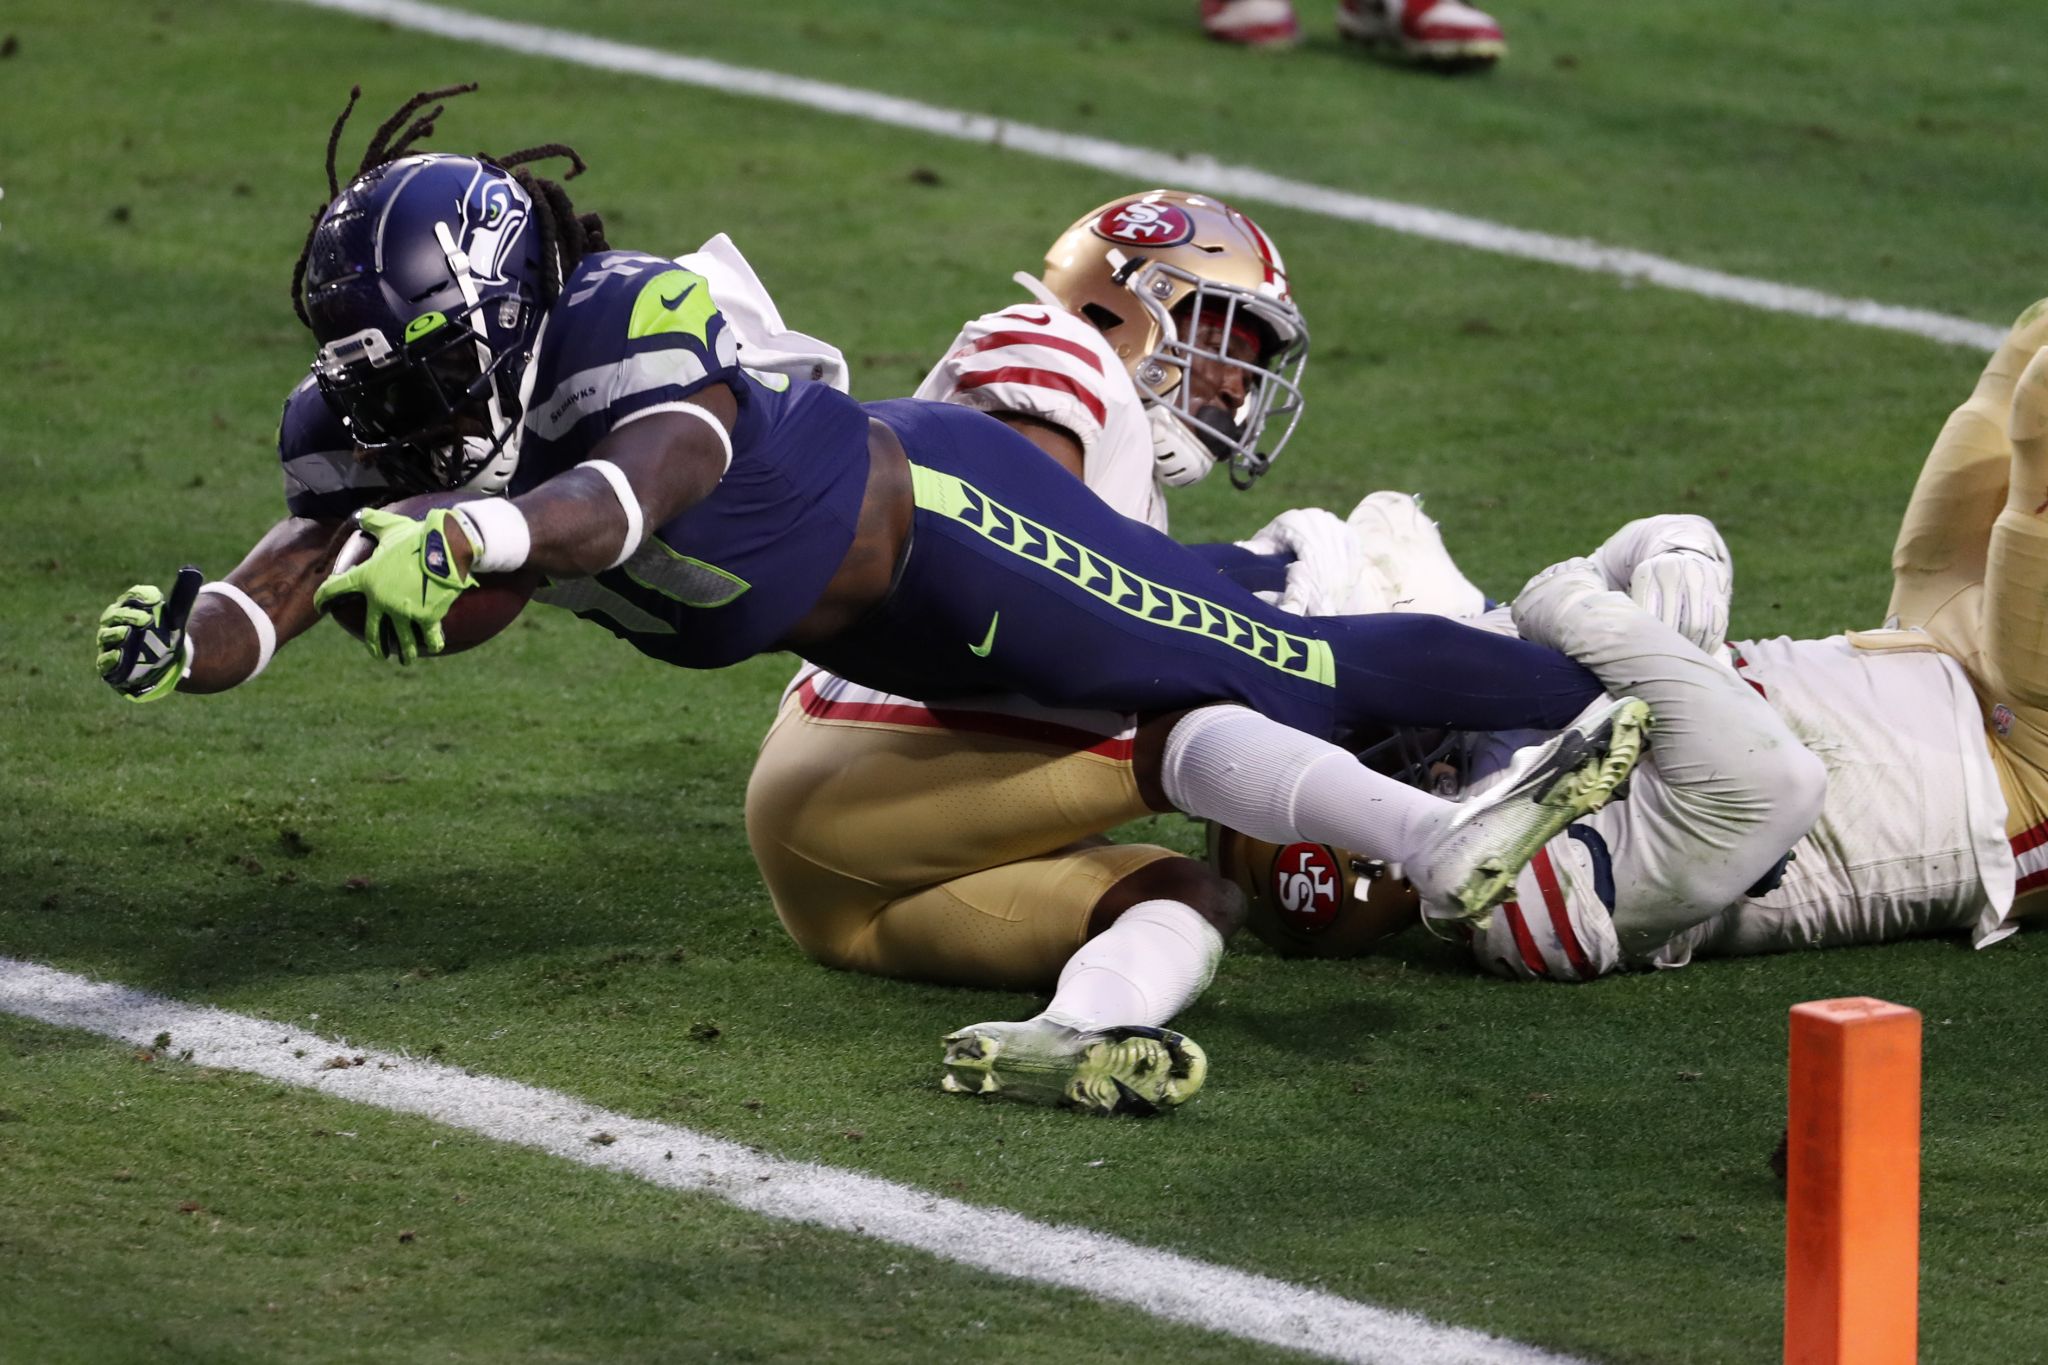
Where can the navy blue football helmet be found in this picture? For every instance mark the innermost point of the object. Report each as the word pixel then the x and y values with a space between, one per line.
pixel 426 287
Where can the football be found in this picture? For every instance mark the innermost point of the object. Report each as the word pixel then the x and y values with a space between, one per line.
pixel 1312 900
pixel 480 613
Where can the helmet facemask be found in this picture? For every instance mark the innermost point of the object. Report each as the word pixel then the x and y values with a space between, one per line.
pixel 1206 325
pixel 439 409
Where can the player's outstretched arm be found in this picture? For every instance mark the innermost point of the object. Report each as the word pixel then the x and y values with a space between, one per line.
pixel 582 521
pixel 234 625
pixel 593 517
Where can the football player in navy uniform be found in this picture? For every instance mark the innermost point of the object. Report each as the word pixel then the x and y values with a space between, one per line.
pixel 476 333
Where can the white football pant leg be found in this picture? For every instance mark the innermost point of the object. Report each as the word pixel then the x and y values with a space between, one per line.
pixel 1725 792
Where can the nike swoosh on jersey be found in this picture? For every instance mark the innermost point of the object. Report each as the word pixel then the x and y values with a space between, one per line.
pixel 677 301
pixel 988 641
pixel 1039 321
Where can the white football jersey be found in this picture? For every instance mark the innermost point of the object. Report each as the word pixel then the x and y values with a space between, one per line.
pixel 1039 360
pixel 1911 839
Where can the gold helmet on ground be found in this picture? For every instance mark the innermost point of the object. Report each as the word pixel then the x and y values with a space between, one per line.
pixel 1312 900
pixel 1171 279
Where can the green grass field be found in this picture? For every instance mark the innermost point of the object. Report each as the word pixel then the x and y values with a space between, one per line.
pixel 529 861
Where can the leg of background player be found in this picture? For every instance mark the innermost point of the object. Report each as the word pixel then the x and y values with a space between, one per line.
pixel 2015 646
pixel 1942 543
pixel 2016 578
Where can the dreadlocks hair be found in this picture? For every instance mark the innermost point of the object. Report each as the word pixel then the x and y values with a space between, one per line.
pixel 566 236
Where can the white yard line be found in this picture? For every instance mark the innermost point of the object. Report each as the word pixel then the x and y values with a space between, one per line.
pixel 1146 166
pixel 1176 1288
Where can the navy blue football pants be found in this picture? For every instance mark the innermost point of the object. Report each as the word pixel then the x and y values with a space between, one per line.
pixel 1018 579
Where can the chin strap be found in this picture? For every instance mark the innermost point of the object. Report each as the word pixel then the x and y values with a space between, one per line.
pixel 1180 458
pixel 503 436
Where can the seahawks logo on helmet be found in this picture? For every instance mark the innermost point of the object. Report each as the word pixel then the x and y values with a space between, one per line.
pixel 494 212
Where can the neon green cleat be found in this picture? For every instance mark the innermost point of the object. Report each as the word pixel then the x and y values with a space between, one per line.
pixel 1472 865
pixel 1127 1070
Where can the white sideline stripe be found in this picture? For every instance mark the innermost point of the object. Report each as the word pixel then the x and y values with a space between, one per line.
pixel 1166 1285
pixel 1155 167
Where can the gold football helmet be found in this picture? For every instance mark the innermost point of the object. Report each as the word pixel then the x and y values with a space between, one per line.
pixel 1175 281
pixel 1312 900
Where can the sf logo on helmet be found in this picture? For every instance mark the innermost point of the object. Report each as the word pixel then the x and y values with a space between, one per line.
pixel 493 213
pixel 1141 224
pixel 1306 885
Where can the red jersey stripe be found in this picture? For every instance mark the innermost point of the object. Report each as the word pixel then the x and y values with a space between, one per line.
pixel 2029 839
pixel 1039 379
pixel 1741 664
pixel 1525 942
pixel 1560 913
pixel 1046 732
pixel 995 341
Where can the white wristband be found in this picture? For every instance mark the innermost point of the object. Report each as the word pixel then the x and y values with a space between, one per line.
pixel 622 489
pixel 259 620
pixel 498 534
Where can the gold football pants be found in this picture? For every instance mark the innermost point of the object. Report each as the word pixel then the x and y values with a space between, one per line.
pixel 937 854
pixel 1970 567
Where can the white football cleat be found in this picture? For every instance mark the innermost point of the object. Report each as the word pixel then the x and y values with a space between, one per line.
pixel 1407 549
pixel 1126 1070
pixel 1472 864
pixel 1446 34
pixel 1251 23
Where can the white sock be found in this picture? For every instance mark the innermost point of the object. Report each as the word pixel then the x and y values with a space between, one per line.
pixel 1259 777
pixel 1145 968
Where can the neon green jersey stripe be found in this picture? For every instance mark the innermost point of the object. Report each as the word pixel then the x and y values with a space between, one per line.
pixel 1300 656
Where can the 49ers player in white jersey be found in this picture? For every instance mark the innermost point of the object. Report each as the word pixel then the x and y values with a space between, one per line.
pixel 963 843
pixel 1861 788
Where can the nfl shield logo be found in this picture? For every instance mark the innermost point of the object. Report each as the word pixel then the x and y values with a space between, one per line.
pixel 2001 719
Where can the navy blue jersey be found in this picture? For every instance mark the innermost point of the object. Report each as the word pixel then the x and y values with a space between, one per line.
pixel 633 335
pixel 729 577
pixel 1092 609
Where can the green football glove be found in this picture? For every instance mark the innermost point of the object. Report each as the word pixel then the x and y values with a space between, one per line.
pixel 142 637
pixel 409 580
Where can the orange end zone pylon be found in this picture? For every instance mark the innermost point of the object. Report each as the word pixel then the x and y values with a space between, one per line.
pixel 1852 1185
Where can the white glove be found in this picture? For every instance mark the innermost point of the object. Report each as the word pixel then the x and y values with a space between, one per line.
pixel 1407 550
pixel 1687 591
pixel 1327 560
pixel 1547 603
pixel 1648 536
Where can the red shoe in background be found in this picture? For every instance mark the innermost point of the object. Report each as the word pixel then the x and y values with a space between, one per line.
pixel 1446 34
